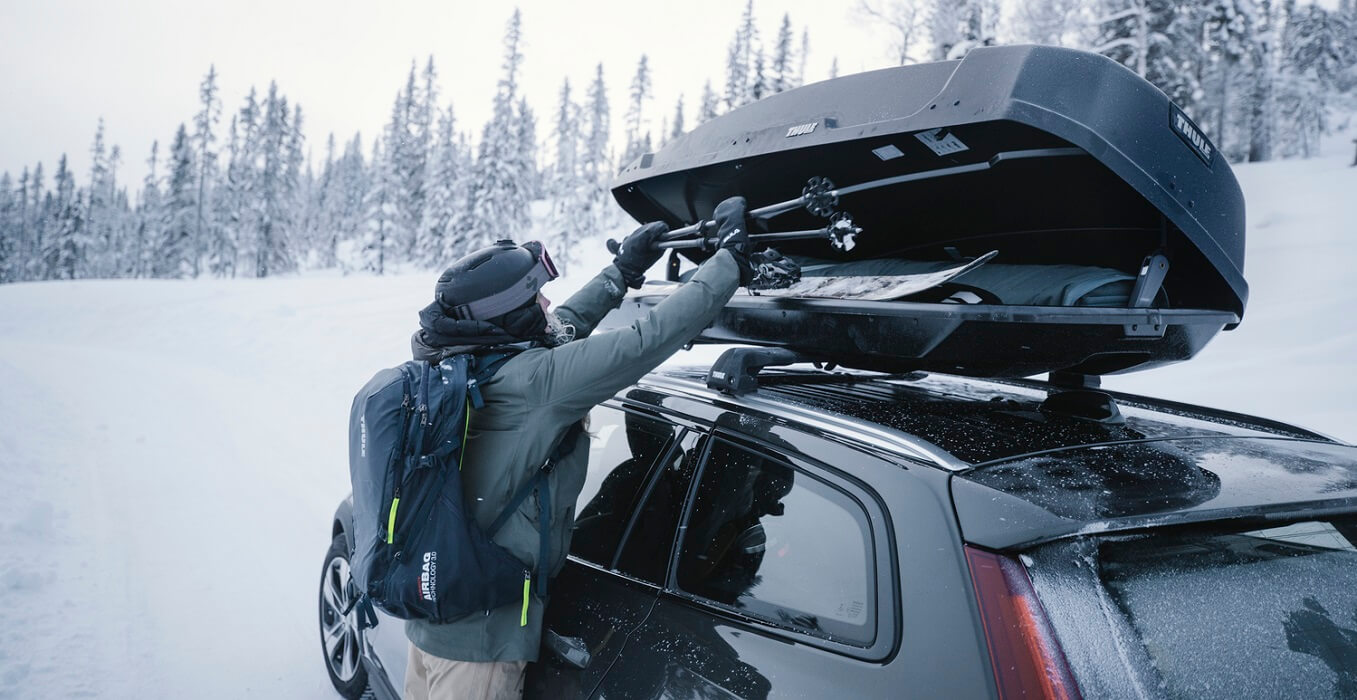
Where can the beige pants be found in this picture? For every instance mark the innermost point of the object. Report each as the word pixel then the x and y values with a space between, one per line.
pixel 428 677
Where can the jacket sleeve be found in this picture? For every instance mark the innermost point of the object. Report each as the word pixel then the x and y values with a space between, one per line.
pixel 585 308
pixel 578 375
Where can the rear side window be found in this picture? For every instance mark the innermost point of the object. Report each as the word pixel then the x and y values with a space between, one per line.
pixel 1259 613
pixel 623 445
pixel 779 544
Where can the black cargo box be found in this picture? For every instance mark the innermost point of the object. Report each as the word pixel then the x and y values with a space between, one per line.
pixel 1052 157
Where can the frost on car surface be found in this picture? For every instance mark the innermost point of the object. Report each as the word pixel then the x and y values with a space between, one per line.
pixel 1269 613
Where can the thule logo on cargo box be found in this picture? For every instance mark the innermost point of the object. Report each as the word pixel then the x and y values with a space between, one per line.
pixel 1191 135
pixel 802 129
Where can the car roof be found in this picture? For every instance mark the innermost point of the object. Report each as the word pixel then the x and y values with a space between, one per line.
pixel 1028 475
pixel 974 422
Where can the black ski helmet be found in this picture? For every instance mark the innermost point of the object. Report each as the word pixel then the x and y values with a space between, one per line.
pixel 494 280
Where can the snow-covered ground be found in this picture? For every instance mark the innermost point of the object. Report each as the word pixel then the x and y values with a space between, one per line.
pixel 171 452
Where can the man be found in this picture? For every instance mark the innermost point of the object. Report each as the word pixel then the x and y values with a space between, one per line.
pixel 491 299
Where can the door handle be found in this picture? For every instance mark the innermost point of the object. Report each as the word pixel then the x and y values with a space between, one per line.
pixel 570 650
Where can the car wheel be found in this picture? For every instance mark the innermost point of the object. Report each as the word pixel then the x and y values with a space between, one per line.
pixel 340 638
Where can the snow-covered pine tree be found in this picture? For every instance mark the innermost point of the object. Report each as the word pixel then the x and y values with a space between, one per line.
pixel 758 78
pixel 320 210
pixel 710 105
pixel 173 256
pixel 204 122
pixel 783 74
pixel 945 20
pixel 9 229
pixel 637 97
pixel 117 223
pixel 1159 39
pixel 1264 62
pixel 740 59
pixel 425 123
pixel 63 244
pixel 498 199
pixel 802 56
pixel 567 189
pixel 1228 28
pixel 297 185
pixel 150 216
pixel 904 20
pixel 37 225
pixel 676 127
pixel 97 230
pixel 1315 57
pixel 405 158
pixel 525 137
pixel 834 68
pixel 595 164
pixel 272 248
pixel 378 210
pixel 1050 22
pixel 21 230
pixel 440 241
pixel 353 176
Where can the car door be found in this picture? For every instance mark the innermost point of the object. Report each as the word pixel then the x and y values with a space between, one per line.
pixel 592 608
pixel 777 561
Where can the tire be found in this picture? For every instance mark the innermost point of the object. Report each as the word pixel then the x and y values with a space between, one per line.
pixel 340 638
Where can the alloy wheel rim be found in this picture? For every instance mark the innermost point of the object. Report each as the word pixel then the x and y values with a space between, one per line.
pixel 339 632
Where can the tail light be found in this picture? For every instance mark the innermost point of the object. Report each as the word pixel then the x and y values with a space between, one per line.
pixel 1026 659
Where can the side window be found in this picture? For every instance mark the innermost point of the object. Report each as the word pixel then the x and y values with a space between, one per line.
pixel 645 554
pixel 779 544
pixel 622 447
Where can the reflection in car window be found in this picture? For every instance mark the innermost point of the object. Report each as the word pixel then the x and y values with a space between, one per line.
pixel 622 447
pixel 780 545
pixel 645 554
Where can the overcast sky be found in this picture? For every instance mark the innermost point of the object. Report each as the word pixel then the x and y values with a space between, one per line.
pixel 65 63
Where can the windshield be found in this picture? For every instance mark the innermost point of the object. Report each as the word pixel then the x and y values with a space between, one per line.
pixel 1266 613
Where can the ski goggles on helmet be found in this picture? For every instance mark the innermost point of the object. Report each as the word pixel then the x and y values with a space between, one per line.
pixel 539 251
pixel 518 293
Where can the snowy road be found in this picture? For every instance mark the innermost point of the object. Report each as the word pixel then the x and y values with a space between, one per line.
pixel 171 452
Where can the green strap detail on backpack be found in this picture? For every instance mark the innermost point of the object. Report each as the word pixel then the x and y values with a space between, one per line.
pixel 466 429
pixel 391 521
pixel 527 586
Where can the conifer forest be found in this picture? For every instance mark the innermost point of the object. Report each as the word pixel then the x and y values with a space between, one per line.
pixel 242 190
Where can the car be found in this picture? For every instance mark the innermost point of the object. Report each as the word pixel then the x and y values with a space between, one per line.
pixel 877 499
pixel 862 534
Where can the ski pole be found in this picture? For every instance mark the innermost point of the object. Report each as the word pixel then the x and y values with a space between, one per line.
pixel 705 241
pixel 820 196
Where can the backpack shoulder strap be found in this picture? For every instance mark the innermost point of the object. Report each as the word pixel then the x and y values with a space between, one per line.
pixel 483 367
pixel 540 481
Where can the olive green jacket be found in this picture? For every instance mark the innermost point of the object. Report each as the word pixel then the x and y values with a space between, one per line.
pixel 529 403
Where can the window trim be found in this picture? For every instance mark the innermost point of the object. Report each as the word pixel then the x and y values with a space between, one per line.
pixel 680 432
pixel 884 581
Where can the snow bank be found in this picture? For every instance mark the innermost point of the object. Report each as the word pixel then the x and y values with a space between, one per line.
pixel 1294 358
pixel 171 452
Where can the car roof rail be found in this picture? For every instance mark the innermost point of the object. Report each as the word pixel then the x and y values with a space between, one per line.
pixel 736 371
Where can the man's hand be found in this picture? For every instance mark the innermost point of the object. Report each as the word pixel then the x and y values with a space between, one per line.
pixel 732 233
pixel 637 252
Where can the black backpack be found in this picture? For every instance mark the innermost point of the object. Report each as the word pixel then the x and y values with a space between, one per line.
pixel 418 553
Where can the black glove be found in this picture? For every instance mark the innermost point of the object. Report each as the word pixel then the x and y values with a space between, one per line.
pixel 732 233
pixel 637 252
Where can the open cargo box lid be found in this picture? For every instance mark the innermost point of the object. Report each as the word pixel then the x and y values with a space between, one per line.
pixel 1047 155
